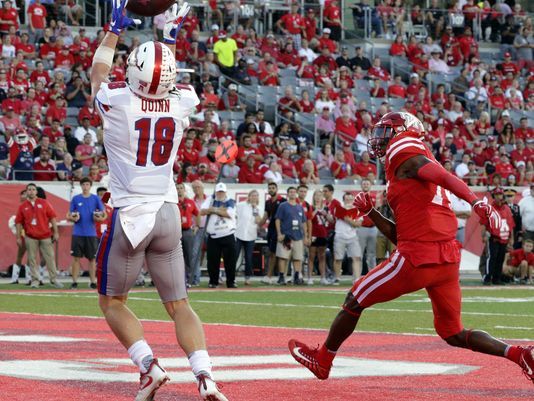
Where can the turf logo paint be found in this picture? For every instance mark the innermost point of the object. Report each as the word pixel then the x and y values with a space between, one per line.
pixel 229 368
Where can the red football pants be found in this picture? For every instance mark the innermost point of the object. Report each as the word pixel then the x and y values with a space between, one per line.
pixel 396 276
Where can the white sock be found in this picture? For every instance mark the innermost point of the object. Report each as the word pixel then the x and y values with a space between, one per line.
pixel 138 352
pixel 200 362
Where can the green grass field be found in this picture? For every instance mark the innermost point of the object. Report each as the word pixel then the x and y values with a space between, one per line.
pixel 505 312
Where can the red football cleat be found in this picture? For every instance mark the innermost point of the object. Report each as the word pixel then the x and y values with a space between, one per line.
pixel 526 361
pixel 309 357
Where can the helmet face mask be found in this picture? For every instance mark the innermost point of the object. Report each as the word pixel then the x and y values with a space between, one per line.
pixel 151 70
pixel 390 125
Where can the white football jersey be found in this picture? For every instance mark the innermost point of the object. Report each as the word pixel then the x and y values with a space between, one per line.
pixel 141 138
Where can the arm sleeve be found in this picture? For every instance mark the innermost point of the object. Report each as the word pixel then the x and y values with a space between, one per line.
pixel 433 172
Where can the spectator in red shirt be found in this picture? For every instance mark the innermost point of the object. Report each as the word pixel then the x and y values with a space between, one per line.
pixel 44 168
pixel 339 168
pixel 53 131
pixel 40 74
pixel 287 165
pixel 310 24
pixel 89 112
pixel 345 128
pixel 188 153
pixel 249 173
pixel 57 111
pixel 397 89
pixel 8 17
pixel 326 59
pixel 326 42
pixel 27 49
pixel 376 88
pixel 377 70
pixel 524 131
pixel 520 263
pixel 332 19
pixel 398 48
pixel 269 77
pixel 85 152
pixel 292 24
pixel 364 168
pixel 288 103
pixel 37 21
pixel 34 216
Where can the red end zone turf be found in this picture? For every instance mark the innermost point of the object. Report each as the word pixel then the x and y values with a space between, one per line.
pixel 49 358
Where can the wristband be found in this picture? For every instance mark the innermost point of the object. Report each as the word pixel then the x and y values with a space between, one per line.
pixel 104 55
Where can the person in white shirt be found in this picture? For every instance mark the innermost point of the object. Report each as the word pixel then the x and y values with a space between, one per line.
pixel 526 208
pixel 220 227
pixel 346 239
pixel 85 128
pixel 248 218
pixel 274 174
pixel 462 210
pixel 477 93
pixel 144 119
pixel 305 51
pixel 463 168
pixel 436 64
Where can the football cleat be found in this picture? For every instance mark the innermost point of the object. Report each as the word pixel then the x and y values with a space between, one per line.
pixel 526 361
pixel 151 381
pixel 309 358
pixel 208 389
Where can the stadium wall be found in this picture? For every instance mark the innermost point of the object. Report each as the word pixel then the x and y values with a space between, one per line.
pixel 60 193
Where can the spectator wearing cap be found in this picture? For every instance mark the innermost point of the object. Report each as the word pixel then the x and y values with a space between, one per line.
pixel 496 246
pixel 326 42
pixel 325 125
pixel 526 208
pixel 9 122
pixel 326 59
pixel 230 99
pixel 436 64
pixel 292 24
pixel 220 227
pixel 225 50
pixel 509 66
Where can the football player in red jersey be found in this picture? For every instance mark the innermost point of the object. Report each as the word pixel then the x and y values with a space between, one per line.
pixel 427 255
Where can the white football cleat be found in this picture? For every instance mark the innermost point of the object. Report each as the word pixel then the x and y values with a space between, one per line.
pixel 151 381
pixel 208 389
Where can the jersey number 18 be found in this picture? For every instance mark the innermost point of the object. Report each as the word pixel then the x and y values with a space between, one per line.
pixel 162 140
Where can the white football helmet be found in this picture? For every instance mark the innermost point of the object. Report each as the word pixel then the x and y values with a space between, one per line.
pixel 151 70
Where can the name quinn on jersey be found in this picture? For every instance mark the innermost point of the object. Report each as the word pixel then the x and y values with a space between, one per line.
pixel 156 105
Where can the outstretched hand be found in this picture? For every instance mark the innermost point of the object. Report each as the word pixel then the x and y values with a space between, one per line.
pixel 363 202
pixel 174 20
pixel 119 20
pixel 492 220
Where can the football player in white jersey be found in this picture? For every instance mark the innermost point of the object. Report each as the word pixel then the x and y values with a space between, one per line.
pixel 144 119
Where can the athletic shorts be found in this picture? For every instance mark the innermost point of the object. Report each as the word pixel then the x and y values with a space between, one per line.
pixel 83 247
pixel 295 253
pixel 396 276
pixel 319 241
pixel 119 265
pixel 350 247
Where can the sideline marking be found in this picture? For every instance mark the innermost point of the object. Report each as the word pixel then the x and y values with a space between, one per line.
pixel 263 304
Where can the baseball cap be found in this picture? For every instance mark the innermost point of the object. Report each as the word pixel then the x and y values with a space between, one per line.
pixel 449 135
pixel 327 30
pixel 65 47
pixel 346 143
pixel 497 191
pixel 491 139
pixel 505 113
pixel 9 108
pixel 220 187
pixel 215 27
pixel 469 121
pixel 414 75
pixel 232 87
pixel 510 191
pixel 520 163
pixel 441 121
pixel 507 54
pixel 222 34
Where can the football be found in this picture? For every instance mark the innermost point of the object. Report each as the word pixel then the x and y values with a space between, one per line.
pixel 149 8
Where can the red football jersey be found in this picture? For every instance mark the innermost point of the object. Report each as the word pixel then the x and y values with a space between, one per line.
pixel 426 224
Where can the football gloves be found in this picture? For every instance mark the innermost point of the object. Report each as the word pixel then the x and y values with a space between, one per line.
pixel 492 220
pixel 363 203
pixel 119 20
pixel 174 20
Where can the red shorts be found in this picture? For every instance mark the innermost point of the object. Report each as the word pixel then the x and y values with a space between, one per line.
pixel 396 276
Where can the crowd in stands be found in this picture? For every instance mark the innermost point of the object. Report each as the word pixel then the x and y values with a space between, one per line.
pixel 51 131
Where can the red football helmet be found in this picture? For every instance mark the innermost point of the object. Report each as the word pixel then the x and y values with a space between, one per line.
pixel 391 124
